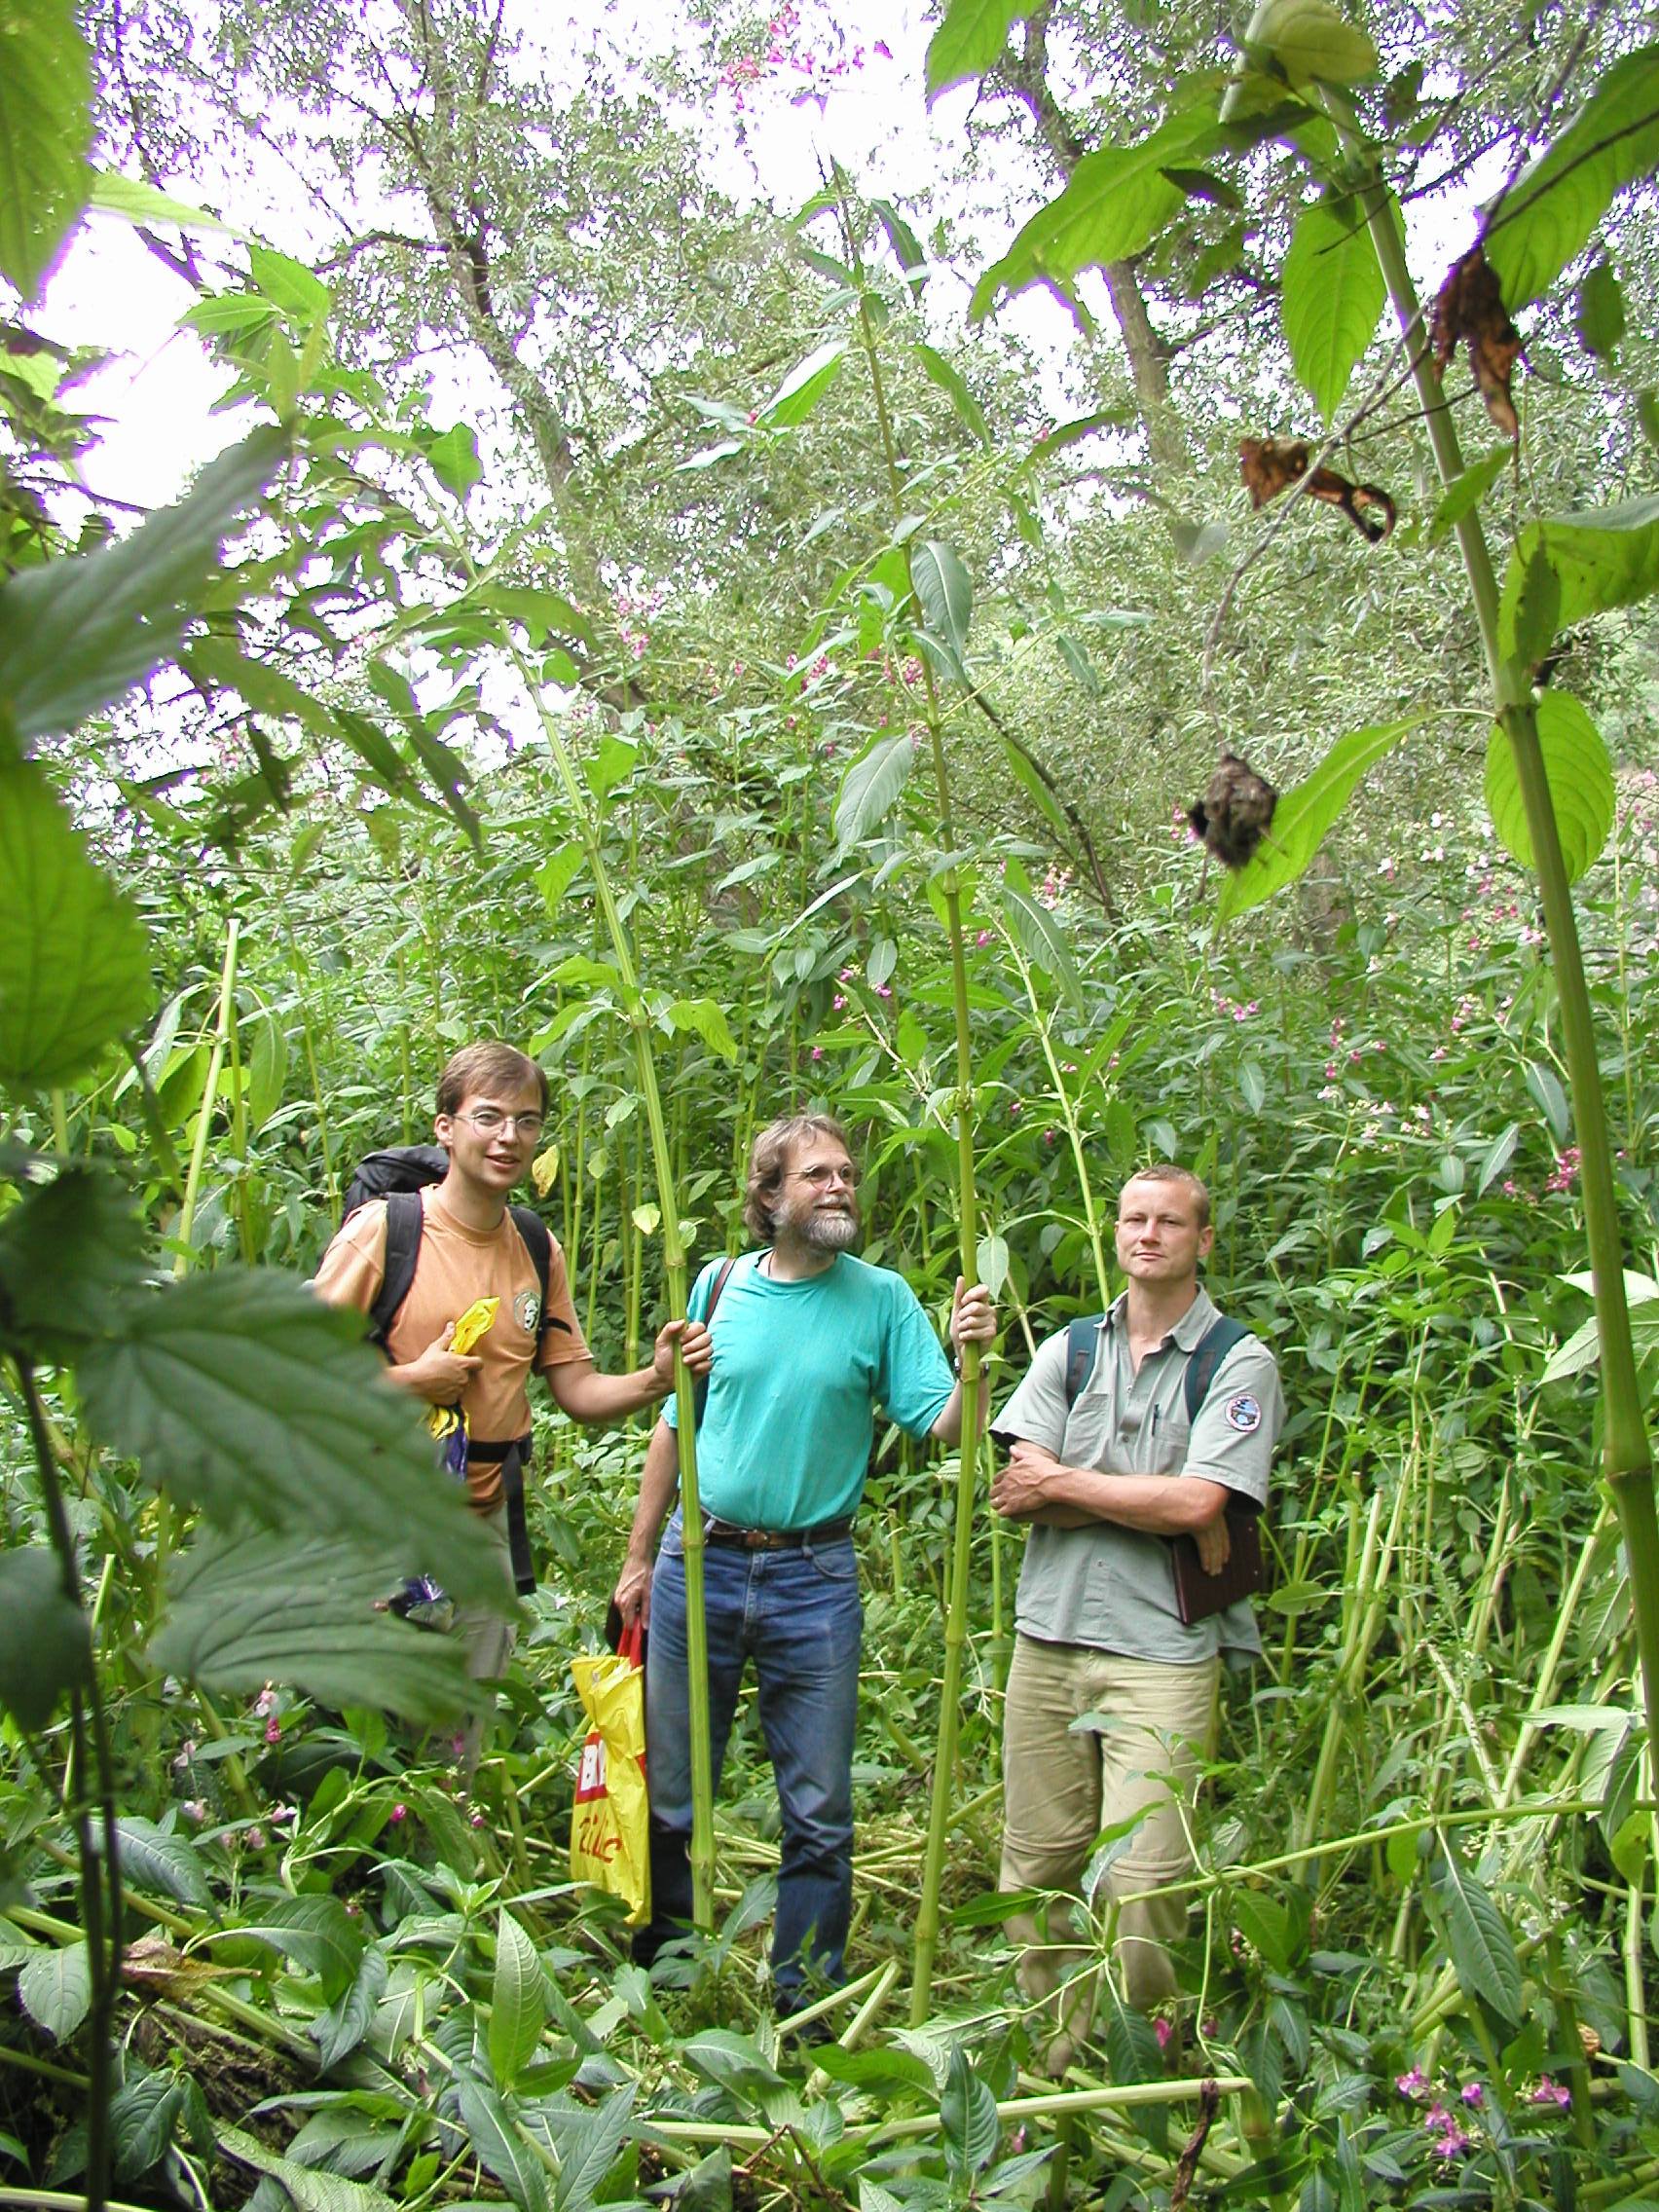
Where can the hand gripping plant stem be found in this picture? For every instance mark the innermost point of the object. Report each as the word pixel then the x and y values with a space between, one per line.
pixel 583 814
pixel 967 1213
pixel 1626 1458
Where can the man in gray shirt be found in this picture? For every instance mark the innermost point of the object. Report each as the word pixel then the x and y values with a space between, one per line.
pixel 1105 1481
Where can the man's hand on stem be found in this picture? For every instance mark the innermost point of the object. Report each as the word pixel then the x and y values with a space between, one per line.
pixel 695 1342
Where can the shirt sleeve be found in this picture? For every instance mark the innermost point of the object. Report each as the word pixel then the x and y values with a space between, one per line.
pixel 354 1268
pixel 916 1382
pixel 1037 1412
pixel 1239 1423
pixel 562 1338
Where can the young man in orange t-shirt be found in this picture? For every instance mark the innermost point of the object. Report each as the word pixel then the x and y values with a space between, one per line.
pixel 492 1105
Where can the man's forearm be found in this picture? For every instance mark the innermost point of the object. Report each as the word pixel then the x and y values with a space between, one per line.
pixel 658 1483
pixel 580 1390
pixel 1034 1486
pixel 947 1429
pixel 1159 1505
pixel 1057 1517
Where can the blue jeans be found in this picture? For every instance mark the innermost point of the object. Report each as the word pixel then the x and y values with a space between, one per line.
pixel 797 1614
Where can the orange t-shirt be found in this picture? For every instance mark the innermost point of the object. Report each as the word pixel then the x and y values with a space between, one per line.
pixel 454 1265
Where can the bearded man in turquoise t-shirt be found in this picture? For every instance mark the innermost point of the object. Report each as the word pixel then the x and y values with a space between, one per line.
pixel 808 1342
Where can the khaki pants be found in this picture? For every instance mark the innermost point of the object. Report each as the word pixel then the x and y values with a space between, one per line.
pixel 1061 1786
pixel 487 1639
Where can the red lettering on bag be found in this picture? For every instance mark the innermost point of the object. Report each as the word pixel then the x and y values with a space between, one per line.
pixel 596 1839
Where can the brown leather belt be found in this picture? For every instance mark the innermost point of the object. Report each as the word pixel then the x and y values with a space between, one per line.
pixel 728 1532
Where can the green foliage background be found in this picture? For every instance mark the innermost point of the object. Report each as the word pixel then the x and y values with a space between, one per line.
pixel 283 822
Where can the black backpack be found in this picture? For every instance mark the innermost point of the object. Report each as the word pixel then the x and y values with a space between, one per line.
pixel 398 1176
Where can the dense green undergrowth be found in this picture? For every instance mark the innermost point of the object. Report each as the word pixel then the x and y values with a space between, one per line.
pixel 1423 1855
pixel 766 776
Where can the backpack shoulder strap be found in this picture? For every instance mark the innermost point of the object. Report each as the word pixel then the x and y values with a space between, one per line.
pixel 722 1275
pixel 1083 1341
pixel 1213 1347
pixel 538 1243
pixel 404 1218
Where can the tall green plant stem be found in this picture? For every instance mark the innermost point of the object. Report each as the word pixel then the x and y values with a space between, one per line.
pixel 209 1098
pixel 583 814
pixel 1626 1459
pixel 101 1864
pixel 967 1225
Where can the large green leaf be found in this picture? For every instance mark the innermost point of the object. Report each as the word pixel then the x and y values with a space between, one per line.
pixel 317 1932
pixel 870 788
pixel 705 1018
pixel 243 1394
pixel 261 1606
pixel 587 2140
pixel 347 2020
pixel 967 2116
pixel 77 632
pixel 74 959
pixel 71 1249
pixel 518 2002
pixel 944 593
pixel 1304 815
pixel 143 2118
pixel 1332 295
pixel 308 2187
pixel 46 128
pixel 153 1859
pixel 1554 207
pixel 1483 1950
pixel 1035 789
pixel 1466 492
pixel 954 385
pixel 1042 939
pixel 1116 202
pixel 218 661
pixel 803 388
pixel 968 39
pixel 55 1988
pixel 141 203
pixel 500 2148
pixel 44 1645
pixel 1310 41
pixel 1580 779
pixel 1605 557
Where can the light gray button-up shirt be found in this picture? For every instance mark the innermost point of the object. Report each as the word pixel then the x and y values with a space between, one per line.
pixel 1112 1588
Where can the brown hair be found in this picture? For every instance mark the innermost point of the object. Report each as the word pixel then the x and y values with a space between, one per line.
pixel 488 1066
pixel 769 1159
pixel 1165 1171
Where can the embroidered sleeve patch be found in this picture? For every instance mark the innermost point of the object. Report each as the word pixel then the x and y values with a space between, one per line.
pixel 1244 1414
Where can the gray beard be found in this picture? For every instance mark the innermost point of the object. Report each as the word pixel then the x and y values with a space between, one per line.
pixel 832 1231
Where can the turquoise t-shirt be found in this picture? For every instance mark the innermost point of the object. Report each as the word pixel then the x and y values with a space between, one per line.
pixel 800 1369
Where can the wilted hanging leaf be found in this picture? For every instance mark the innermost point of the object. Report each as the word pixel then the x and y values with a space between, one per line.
pixel 1469 308
pixel 1270 466
pixel 1233 816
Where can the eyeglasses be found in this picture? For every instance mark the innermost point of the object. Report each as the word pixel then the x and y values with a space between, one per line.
pixel 823 1178
pixel 486 1122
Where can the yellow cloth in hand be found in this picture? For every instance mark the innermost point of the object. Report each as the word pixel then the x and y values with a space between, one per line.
pixel 477 1322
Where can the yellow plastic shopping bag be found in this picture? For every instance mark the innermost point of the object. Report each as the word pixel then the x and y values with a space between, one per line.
pixel 610 1822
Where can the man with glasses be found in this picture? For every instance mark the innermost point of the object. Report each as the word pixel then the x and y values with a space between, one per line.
pixel 809 1341
pixel 492 1105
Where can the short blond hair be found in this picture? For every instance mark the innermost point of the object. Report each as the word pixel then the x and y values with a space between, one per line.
pixel 1165 1171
